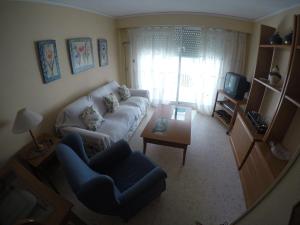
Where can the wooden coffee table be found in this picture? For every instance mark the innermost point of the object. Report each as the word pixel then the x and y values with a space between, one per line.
pixel 169 126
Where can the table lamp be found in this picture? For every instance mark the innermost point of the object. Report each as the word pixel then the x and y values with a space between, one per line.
pixel 25 121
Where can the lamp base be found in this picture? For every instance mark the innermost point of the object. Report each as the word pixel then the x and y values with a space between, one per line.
pixel 40 148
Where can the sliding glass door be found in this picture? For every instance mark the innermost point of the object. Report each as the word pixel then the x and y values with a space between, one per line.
pixel 184 65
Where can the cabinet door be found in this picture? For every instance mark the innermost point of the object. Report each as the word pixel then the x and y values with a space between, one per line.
pixel 241 140
pixel 255 175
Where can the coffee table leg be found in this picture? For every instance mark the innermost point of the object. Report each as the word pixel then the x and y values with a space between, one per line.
pixel 184 154
pixel 145 146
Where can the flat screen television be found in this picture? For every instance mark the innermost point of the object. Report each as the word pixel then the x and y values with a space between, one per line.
pixel 236 85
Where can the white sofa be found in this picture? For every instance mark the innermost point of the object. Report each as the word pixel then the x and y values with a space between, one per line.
pixel 117 125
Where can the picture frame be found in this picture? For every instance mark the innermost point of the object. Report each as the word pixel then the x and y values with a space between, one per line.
pixel 48 59
pixel 81 54
pixel 102 52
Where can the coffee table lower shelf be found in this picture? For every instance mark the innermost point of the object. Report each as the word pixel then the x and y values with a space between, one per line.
pixel 165 143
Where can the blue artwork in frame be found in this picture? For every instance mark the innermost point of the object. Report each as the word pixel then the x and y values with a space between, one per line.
pixel 48 60
pixel 102 51
pixel 81 54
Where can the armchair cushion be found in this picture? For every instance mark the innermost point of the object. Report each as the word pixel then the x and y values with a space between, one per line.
pixel 149 180
pixel 130 170
pixel 105 160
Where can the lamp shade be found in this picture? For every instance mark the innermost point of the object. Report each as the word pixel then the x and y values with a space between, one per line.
pixel 26 120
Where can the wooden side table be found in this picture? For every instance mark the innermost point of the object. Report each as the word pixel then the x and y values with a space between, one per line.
pixel 38 161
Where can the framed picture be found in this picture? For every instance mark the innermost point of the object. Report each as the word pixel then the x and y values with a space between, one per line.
pixel 81 54
pixel 48 60
pixel 102 51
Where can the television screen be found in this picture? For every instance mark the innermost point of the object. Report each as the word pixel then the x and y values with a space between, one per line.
pixel 236 85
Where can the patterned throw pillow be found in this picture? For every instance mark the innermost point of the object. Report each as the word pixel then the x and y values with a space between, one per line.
pixel 124 92
pixel 91 118
pixel 111 102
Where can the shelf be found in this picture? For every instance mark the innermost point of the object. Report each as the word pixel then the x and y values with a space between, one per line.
pixel 266 83
pixel 235 101
pixel 226 124
pixel 227 106
pixel 274 164
pixel 295 102
pixel 275 46
pixel 256 136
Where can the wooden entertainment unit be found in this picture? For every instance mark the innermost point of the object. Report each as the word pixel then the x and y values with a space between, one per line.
pixel 228 106
pixel 280 105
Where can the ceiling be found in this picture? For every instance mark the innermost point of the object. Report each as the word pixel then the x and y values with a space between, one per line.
pixel 244 9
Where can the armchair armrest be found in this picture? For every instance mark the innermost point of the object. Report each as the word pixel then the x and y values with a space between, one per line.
pixel 106 159
pixel 91 139
pixel 140 93
pixel 99 194
pixel 138 188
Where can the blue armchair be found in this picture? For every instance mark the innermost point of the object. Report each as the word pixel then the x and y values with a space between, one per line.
pixel 115 182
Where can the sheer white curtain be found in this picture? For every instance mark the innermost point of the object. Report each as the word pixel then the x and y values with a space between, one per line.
pixel 193 59
pixel 154 62
pixel 217 52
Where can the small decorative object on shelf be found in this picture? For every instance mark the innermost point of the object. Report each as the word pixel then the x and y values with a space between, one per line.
pixel 275 39
pixel 287 40
pixel 274 75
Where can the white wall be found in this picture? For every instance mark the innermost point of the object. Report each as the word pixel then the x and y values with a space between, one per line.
pixel 21 82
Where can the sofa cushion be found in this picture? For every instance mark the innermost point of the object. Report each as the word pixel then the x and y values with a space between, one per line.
pixel 124 92
pixel 111 102
pixel 117 124
pixel 70 115
pixel 140 102
pixel 91 118
pixel 99 93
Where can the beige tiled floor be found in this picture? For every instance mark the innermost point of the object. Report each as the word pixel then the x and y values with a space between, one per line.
pixel 207 189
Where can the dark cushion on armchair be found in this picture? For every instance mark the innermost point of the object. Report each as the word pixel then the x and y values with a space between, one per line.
pixel 114 182
pixel 130 170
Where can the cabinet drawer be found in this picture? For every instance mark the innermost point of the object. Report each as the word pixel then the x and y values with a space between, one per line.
pixel 255 175
pixel 241 140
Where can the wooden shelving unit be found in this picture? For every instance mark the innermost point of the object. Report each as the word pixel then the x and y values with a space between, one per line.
pixel 274 46
pixel 259 172
pixel 259 167
pixel 267 84
pixel 222 120
pixel 230 106
pixel 295 102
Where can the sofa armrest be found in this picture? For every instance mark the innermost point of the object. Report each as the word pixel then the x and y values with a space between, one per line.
pixel 107 159
pixel 139 188
pixel 91 139
pixel 140 93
